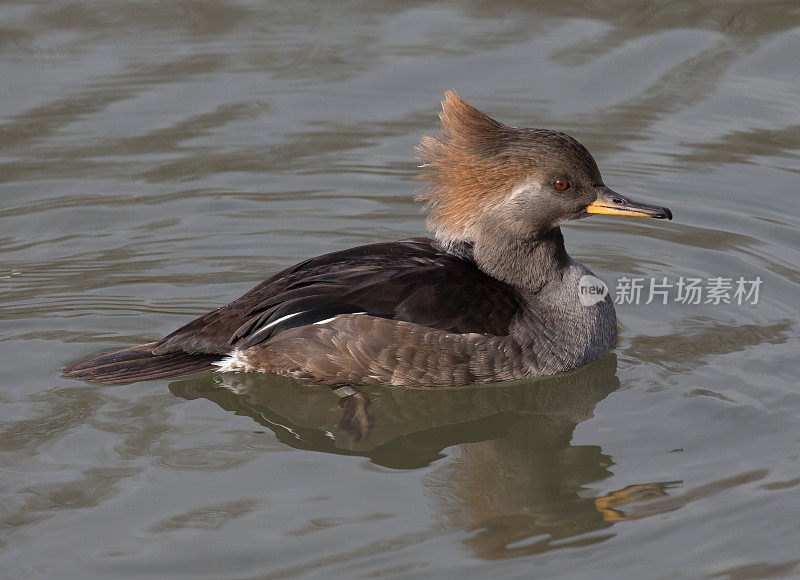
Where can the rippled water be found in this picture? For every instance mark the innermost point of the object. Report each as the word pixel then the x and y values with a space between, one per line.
pixel 158 159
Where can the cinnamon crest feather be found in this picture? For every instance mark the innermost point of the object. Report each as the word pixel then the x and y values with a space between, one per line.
pixel 470 167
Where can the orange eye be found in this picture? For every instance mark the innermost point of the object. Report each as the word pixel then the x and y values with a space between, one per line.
pixel 561 184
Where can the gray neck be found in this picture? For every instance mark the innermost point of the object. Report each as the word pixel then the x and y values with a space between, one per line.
pixel 553 331
pixel 528 265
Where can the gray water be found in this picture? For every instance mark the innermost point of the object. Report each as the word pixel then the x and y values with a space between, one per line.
pixel 157 159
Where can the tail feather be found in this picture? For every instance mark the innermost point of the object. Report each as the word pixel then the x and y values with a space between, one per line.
pixel 139 364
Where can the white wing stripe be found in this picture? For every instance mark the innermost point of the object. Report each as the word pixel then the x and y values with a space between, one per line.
pixel 274 322
pixel 332 317
pixel 293 314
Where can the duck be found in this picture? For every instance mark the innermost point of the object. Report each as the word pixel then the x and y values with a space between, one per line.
pixel 492 295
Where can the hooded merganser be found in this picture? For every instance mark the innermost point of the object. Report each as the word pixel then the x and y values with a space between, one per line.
pixel 493 296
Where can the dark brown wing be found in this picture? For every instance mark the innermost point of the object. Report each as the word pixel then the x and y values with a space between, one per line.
pixel 411 280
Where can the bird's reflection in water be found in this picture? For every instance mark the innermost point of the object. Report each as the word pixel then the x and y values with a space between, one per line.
pixel 513 478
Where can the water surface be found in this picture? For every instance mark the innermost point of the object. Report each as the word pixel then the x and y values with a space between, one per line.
pixel 159 159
